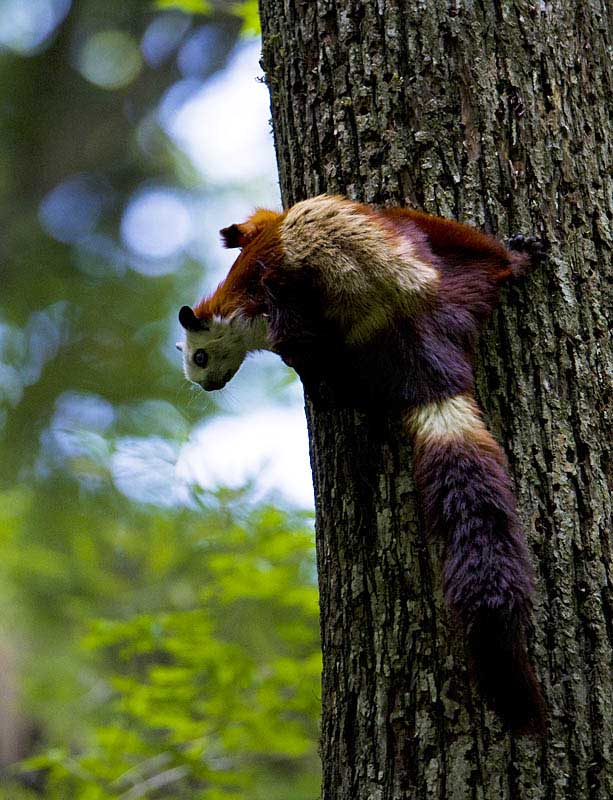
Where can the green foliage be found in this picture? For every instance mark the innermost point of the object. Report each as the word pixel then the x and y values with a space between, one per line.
pixel 247 10
pixel 188 6
pixel 217 693
pixel 164 641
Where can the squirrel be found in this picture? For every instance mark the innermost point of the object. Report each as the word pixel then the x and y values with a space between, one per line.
pixel 385 306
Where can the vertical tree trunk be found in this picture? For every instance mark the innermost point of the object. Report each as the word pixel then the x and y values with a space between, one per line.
pixel 496 114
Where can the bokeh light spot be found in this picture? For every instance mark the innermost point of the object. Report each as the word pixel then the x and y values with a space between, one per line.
pixel 156 223
pixel 203 52
pixel 25 26
pixel 267 448
pixel 144 470
pixel 163 36
pixel 110 59
pixel 71 210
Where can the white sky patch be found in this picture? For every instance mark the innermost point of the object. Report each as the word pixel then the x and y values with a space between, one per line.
pixel 224 127
pixel 269 447
pixel 143 469
pixel 156 223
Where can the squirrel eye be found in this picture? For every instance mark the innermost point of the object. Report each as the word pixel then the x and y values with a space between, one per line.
pixel 201 358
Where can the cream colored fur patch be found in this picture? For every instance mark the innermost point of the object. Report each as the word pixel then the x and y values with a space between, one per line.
pixel 367 272
pixel 456 418
pixel 226 343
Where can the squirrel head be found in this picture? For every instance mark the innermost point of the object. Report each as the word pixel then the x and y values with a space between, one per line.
pixel 225 326
pixel 214 348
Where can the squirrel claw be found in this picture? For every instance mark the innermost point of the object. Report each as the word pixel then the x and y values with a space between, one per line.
pixel 535 247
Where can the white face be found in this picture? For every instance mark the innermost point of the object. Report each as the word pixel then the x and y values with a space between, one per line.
pixel 212 357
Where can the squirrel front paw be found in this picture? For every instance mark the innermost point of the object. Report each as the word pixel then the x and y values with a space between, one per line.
pixel 531 245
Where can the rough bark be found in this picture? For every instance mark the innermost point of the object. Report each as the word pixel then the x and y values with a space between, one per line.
pixel 496 114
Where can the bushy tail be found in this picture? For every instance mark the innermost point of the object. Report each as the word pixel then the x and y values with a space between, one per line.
pixel 468 502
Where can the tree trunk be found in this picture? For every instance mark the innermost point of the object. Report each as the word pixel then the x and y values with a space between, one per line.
pixel 495 114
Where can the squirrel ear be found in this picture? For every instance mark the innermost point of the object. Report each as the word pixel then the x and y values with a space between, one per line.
pixel 190 321
pixel 245 232
pixel 233 236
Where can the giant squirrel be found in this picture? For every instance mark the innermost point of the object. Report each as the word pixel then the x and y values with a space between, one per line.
pixel 384 306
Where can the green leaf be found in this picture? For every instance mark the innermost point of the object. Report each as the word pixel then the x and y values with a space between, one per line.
pixel 189 6
pixel 249 12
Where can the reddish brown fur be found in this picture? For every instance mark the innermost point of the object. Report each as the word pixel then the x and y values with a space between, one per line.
pixel 457 243
pixel 448 237
pixel 241 289
pixel 239 235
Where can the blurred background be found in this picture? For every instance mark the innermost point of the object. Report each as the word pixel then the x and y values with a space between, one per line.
pixel 158 620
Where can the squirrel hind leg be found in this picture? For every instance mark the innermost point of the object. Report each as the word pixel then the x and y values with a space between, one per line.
pixel 525 252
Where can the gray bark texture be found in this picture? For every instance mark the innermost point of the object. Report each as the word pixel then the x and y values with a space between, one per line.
pixel 497 114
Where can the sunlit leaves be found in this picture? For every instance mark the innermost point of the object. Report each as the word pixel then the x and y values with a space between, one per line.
pixel 189 6
pixel 213 693
pixel 247 10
